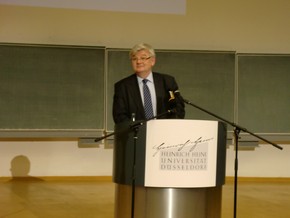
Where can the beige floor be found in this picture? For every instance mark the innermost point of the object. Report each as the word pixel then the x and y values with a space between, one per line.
pixel 95 199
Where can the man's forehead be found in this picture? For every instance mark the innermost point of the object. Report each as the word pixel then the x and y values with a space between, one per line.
pixel 141 52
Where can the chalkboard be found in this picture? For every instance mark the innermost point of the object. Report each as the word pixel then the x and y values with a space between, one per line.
pixel 70 88
pixel 118 67
pixel 207 79
pixel 51 87
pixel 264 92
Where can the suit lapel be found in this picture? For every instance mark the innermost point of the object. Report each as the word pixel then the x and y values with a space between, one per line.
pixel 158 83
pixel 135 92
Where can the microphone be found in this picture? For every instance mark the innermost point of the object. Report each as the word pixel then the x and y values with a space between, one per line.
pixel 171 95
pixel 172 102
pixel 133 117
pixel 178 96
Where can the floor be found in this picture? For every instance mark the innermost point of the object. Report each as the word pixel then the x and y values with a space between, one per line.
pixel 33 197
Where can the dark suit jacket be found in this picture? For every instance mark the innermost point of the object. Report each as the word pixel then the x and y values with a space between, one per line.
pixel 127 98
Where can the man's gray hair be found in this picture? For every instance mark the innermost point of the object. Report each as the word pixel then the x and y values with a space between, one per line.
pixel 142 46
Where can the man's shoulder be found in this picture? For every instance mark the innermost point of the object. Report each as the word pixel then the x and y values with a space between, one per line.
pixel 163 76
pixel 128 79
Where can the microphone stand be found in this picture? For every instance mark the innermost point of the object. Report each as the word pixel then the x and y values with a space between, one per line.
pixel 237 130
pixel 134 127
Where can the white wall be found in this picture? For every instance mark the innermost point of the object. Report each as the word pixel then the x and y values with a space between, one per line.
pixel 61 158
pixel 264 161
pixel 56 158
pixel 240 25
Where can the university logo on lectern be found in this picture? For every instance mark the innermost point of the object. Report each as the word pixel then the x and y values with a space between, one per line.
pixel 180 153
pixel 185 156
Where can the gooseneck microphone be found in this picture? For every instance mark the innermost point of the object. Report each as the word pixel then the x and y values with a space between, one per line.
pixel 172 102
pixel 178 96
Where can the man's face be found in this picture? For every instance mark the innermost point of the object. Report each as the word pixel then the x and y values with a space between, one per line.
pixel 142 63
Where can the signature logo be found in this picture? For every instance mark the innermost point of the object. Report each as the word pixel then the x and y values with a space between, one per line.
pixel 191 144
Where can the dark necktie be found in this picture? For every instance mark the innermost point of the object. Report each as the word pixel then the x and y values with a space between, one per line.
pixel 147 100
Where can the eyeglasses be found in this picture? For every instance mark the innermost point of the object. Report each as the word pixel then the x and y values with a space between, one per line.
pixel 143 59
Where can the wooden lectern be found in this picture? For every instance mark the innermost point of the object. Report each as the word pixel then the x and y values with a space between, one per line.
pixel 175 167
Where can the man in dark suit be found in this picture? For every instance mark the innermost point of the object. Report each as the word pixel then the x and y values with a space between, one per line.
pixel 129 92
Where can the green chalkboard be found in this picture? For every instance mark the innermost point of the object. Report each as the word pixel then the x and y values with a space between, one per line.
pixel 206 79
pixel 118 67
pixel 51 87
pixel 264 92
pixel 70 88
